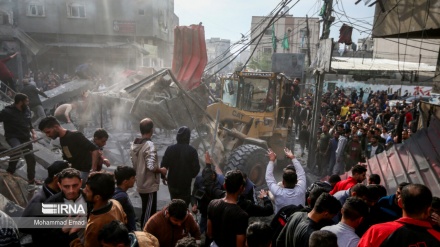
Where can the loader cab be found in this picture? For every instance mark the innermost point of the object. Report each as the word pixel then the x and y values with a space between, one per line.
pixel 250 91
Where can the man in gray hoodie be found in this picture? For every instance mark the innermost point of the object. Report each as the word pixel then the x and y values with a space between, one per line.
pixel 182 163
pixel 144 158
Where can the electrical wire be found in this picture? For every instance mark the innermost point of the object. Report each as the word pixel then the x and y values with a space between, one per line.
pixel 262 34
pixel 249 33
pixel 250 42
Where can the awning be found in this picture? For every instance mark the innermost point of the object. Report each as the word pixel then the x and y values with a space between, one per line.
pixel 377 64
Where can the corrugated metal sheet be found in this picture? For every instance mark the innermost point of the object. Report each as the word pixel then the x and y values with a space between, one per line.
pixel 415 161
pixel 375 64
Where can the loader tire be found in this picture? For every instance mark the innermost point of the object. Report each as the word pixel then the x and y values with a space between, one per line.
pixel 250 159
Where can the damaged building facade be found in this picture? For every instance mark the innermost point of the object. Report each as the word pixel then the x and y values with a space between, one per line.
pixel 62 34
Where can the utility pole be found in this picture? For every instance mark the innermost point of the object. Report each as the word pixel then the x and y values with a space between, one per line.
pixel 308 42
pixel 436 79
pixel 327 21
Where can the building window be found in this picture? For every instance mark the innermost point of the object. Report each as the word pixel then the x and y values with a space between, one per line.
pixel 36 9
pixel 76 10
pixel 303 37
pixel 267 50
pixel 268 31
pixel 141 12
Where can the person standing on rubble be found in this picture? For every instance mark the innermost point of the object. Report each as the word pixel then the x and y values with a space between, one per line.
pixel 182 163
pixel 16 120
pixel 34 98
pixel 100 138
pixel 6 75
pixel 62 113
pixel 77 149
pixel 144 158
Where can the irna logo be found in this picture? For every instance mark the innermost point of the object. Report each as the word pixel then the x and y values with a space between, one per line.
pixel 68 209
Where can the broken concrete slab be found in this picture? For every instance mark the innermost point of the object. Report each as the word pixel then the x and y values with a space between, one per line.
pixel 65 92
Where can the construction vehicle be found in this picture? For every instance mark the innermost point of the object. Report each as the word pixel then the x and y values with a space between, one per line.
pixel 237 128
pixel 246 122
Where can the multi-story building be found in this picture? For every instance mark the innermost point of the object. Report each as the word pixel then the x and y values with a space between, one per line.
pixel 408 50
pixel 219 55
pixel 294 29
pixel 365 44
pixel 124 33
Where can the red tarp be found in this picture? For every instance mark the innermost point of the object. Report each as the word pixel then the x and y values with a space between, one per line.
pixel 190 58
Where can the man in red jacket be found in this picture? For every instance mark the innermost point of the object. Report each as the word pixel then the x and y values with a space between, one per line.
pixel 413 229
pixel 6 75
pixel 358 176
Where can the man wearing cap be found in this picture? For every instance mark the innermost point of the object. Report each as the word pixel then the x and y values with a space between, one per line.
pixel 182 164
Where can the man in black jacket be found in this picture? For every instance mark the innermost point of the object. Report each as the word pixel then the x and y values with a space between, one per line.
pixel 34 99
pixel 182 164
pixel 50 188
pixel 33 209
pixel 16 120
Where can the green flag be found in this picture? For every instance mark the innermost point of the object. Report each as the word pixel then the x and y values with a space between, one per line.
pixel 286 42
pixel 274 39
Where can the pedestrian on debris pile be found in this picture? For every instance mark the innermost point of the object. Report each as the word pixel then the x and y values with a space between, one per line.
pixel 144 158
pixel 76 148
pixel 62 112
pixel 182 164
pixel 34 98
pixel 100 138
pixel 6 76
pixel 16 120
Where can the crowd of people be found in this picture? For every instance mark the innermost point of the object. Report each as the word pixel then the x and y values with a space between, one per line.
pixel 47 80
pixel 328 213
pixel 352 128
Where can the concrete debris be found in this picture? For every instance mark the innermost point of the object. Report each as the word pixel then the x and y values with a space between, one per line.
pixel 14 195
pixel 65 92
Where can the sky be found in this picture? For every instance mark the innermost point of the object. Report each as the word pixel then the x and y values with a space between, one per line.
pixel 227 19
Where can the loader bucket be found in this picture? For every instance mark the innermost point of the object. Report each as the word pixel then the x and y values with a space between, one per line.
pixel 190 56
